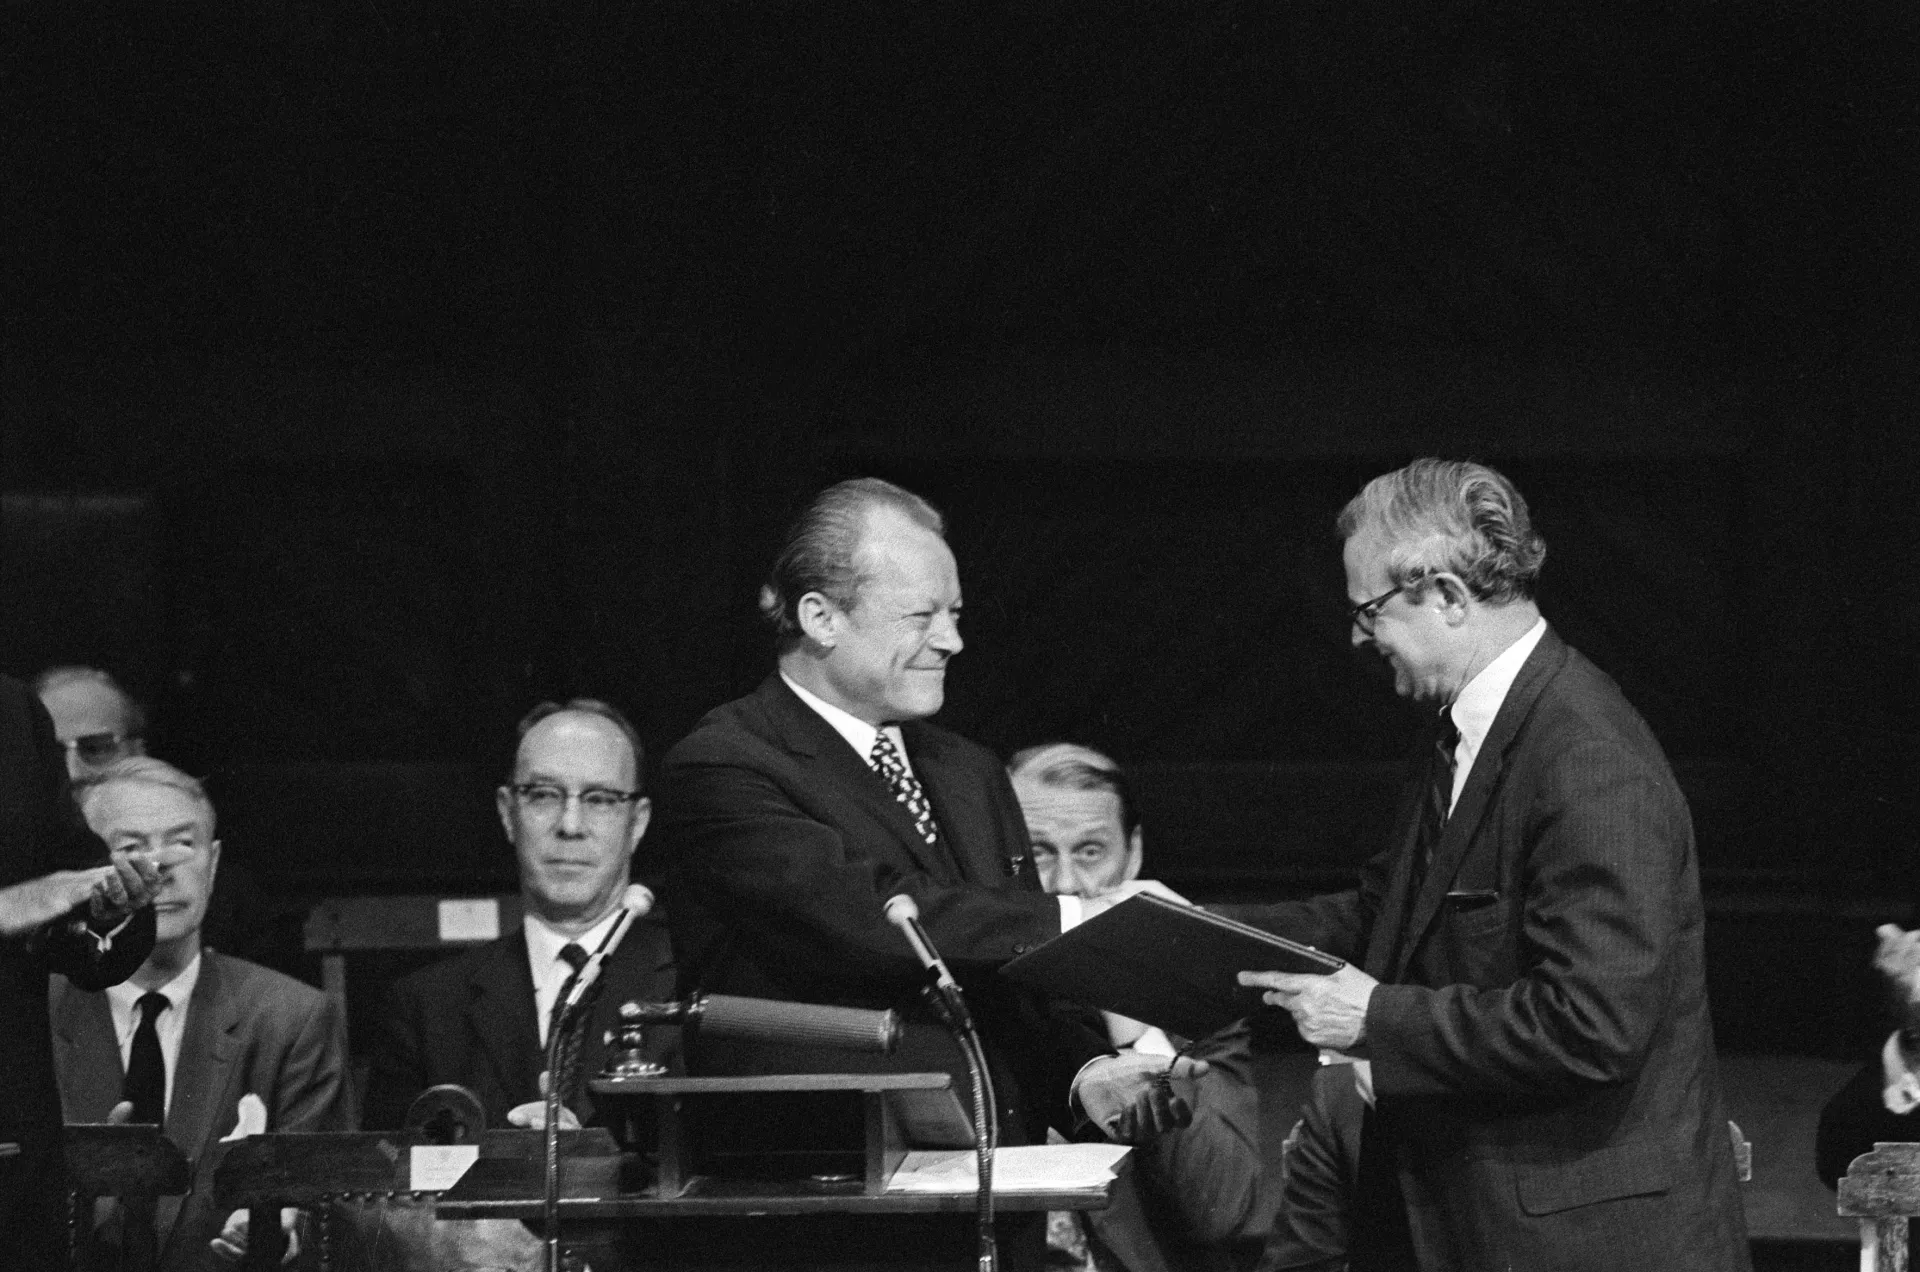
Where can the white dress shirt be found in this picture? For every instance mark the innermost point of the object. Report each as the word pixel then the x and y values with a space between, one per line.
pixel 550 971
pixel 860 735
pixel 1477 704
pixel 124 999
pixel 1473 710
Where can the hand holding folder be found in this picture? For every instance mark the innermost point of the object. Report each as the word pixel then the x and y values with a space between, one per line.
pixel 1170 965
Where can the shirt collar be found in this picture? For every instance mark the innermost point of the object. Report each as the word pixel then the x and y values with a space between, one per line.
pixel 858 733
pixel 1473 711
pixel 125 997
pixel 544 944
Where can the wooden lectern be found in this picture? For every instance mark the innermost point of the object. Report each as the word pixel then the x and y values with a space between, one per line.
pixel 716 1207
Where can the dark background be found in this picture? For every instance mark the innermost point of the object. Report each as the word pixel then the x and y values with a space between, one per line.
pixel 372 370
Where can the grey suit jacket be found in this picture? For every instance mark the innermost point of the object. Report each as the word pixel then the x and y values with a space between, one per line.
pixel 1541 1049
pixel 248 1030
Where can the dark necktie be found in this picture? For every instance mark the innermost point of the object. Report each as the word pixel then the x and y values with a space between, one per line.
pixel 576 958
pixel 1433 816
pixel 886 761
pixel 146 1068
pixel 566 1066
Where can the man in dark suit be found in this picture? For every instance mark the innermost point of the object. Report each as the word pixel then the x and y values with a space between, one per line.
pixel 240 1049
pixel 790 816
pixel 61 910
pixel 573 811
pixel 1527 1001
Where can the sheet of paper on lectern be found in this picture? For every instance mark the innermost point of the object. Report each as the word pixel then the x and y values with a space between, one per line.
pixel 1027 1168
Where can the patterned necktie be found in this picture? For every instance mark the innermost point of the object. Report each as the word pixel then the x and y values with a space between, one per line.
pixel 886 761
pixel 146 1082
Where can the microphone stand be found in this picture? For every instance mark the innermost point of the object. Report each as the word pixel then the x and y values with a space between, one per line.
pixel 986 1116
pixel 943 994
pixel 586 992
pixel 556 1047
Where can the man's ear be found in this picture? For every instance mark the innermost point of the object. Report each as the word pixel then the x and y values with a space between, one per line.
pixel 1136 854
pixel 213 859
pixel 1453 596
pixel 819 619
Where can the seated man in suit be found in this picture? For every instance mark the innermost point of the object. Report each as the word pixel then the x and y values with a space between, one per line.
pixel 209 1047
pixel 1202 1181
pixel 573 810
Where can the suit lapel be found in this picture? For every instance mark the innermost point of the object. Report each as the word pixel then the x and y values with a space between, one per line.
pixel 88 1054
pixel 960 807
pixel 207 1051
pixel 500 1015
pixel 1489 767
pixel 807 736
pixel 1387 938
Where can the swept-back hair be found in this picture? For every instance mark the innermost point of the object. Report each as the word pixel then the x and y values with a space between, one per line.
pixel 821 550
pixel 142 770
pixel 1454 517
pixel 1072 767
pixel 586 706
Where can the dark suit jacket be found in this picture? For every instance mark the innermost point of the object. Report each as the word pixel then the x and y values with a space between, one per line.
pixel 1541 1049
pixel 779 846
pixel 248 1030
pixel 41 831
pixel 470 1020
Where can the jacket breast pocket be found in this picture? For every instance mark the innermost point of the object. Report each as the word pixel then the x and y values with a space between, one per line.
pixel 1624 1170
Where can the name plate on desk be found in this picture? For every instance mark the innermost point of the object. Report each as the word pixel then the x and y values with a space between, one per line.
pixel 436 1167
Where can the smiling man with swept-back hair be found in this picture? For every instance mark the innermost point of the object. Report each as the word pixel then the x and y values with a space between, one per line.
pixel 789 817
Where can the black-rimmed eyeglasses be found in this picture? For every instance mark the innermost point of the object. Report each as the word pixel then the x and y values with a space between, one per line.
pixel 543 799
pixel 1365 613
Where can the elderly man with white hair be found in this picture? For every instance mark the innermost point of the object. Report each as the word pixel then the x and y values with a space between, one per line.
pixel 209 1047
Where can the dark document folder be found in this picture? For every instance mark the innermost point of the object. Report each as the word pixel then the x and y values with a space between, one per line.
pixel 1167 964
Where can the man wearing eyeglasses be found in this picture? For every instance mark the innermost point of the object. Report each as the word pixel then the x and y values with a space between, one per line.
pixel 573 810
pixel 1526 993
pixel 95 720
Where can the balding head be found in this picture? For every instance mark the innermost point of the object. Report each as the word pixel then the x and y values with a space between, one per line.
pixel 574 813
pixel 96 720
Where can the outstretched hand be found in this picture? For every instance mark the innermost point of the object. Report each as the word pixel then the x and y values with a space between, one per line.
pixel 1330 1009
pixel 1133 1097
pixel 38 902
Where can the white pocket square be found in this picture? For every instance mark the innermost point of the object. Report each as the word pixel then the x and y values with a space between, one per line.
pixel 253 1118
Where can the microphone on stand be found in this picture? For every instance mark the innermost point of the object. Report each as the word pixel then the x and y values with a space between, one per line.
pixel 943 993
pixel 904 913
pixel 636 901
